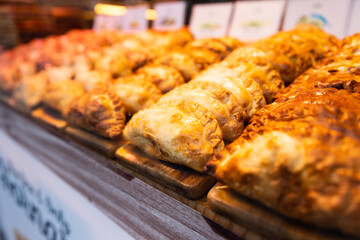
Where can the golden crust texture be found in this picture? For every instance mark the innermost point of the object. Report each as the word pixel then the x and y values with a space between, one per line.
pixel 59 95
pixel 181 132
pixel 218 100
pixel 100 111
pixel 300 157
pixel 180 61
pixel 164 77
pixel 244 88
pixel 136 92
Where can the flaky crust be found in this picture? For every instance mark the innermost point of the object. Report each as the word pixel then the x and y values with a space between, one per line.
pixel 218 100
pixel 181 132
pixel 164 77
pixel 268 87
pixel 100 111
pixel 300 157
pixel 245 89
pixel 203 57
pixel 136 92
pixel 59 95
pixel 180 61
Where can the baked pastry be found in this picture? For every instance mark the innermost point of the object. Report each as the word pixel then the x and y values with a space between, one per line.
pixel 269 84
pixel 180 61
pixel 60 74
pixel 31 90
pixel 211 44
pixel 100 111
pixel 59 95
pixel 203 57
pixel 254 56
pixel 244 88
pixel 164 77
pixel 306 160
pixel 218 100
pixel 292 52
pixel 136 92
pixel 114 63
pixel 181 132
pixel 93 79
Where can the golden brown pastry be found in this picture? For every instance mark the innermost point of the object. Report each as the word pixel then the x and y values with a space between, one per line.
pixel 100 111
pixel 244 88
pixel 114 63
pixel 300 156
pixel 269 86
pixel 218 100
pixel 203 57
pixel 164 77
pixel 136 92
pixel 31 90
pixel 59 74
pixel 180 61
pixel 59 95
pixel 211 44
pixel 181 132
pixel 93 79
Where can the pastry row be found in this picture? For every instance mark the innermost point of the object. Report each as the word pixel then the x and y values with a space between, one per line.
pixel 194 121
pixel 89 93
pixel 300 154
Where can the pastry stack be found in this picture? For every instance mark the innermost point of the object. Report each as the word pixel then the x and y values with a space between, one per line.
pixel 194 121
pixel 300 154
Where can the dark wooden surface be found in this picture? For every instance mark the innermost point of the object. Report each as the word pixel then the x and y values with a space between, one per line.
pixel 103 145
pixel 49 117
pixel 181 179
pixel 146 211
pixel 259 218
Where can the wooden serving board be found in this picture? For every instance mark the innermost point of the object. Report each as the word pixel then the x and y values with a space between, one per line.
pixel 103 145
pixel 182 180
pixel 263 220
pixel 49 117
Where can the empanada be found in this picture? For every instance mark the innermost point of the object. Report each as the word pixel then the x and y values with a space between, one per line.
pixel 136 92
pixel 59 95
pixel 181 132
pixel 31 90
pixel 100 111
pixel 218 100
pixel 244 88
pixel 164 77
pixel 180 61
pixel 300 156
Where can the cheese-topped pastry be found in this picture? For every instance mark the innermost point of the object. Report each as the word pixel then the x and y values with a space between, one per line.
pixel 100 111
pixel 136 92
pixel 181 132
pixel 218 100
pixel 59 95
pixel 164 77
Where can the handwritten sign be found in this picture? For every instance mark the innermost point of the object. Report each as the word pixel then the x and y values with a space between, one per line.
pixel 256 19
pixel 37 204
pixel 210 20
pixel 170 15
pixel 330 15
